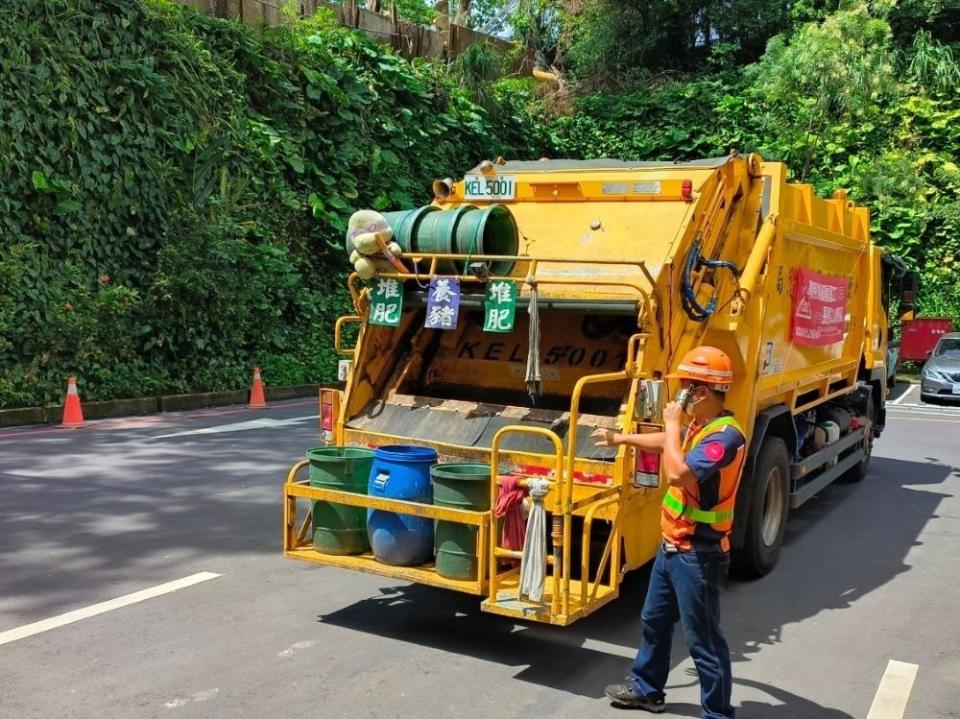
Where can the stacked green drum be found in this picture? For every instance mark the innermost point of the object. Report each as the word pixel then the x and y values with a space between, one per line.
pixel 338 528
pixel 460 485
pixel 405 224
pixel 463 230
pixel 490 231
pixel 438 235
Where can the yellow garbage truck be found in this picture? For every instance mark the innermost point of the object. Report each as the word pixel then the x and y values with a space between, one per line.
pixel 570 289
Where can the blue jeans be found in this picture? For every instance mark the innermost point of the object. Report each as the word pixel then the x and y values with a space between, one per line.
pixel 686 586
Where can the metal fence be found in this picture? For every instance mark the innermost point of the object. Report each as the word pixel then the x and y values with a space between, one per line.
pixel 407 38
pixel 250 12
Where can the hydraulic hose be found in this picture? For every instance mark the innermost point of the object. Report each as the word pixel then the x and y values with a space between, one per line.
pixel 688 296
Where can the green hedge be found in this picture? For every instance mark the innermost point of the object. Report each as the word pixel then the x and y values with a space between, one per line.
pixel 176 190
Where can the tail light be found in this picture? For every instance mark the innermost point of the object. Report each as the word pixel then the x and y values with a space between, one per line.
pixel 648 469
pixel 329 410
pixel 686 190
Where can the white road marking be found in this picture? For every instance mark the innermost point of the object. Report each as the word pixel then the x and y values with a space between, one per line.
pixel 924 418
pixel 289 651
pixel 195 697
pixel 890 701
pixel 902 397
pixel 905 409
pixel 265 423
pixel 44 625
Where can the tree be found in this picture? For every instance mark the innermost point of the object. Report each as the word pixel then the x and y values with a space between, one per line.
pixel 839 69
pixel 611 39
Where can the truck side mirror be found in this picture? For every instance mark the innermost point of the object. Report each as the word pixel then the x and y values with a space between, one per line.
pixel 908 288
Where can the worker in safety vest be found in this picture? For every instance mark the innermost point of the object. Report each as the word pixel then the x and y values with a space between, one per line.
pixel 702 467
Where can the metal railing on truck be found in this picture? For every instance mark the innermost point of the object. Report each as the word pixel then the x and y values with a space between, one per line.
pixel 533 276
pixel 565 599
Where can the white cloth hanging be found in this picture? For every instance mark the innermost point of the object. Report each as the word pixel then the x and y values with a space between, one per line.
pixel 533 563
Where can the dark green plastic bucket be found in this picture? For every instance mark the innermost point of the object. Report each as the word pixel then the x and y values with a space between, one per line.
pixel 438 234
pixel 461 485
pixel 337 528
pixel 490 231
pixel 405 224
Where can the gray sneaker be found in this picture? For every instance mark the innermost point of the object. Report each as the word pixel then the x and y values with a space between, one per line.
pixel 627 696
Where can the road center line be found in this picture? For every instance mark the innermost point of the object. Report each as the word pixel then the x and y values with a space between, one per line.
pixel 262 423
pixel 44 625
pixel 890 701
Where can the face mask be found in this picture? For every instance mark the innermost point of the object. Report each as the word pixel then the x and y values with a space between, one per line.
pixel 687 400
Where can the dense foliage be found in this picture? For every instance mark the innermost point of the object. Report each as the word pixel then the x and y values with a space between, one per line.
pixel 843 103
pixel 176 188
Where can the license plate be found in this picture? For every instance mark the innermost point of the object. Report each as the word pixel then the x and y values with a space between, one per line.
pixel 501 187
pixel 956 389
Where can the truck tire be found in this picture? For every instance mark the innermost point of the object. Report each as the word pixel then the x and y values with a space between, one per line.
pixel 767 517
pixel 858 472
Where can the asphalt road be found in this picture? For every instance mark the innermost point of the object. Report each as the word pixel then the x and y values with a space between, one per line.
pixel 868 575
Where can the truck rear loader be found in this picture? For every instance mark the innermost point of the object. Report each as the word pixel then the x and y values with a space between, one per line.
pixel 619 268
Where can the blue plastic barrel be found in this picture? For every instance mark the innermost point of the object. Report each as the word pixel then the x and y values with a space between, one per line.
pixel 401 472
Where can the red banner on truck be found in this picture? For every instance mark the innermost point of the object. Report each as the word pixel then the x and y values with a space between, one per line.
pixel 819 308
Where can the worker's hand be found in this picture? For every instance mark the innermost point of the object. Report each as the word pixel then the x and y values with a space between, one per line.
pixel 606 437
pixel 672 414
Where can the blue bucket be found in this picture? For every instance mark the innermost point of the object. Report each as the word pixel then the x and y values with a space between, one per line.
pixel 401 472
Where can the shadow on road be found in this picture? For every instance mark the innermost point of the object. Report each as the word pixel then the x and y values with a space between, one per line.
pixel 846 543
pixel 81 512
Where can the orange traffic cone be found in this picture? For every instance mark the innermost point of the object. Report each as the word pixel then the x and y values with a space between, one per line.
pixel 257 400
pixel 72 414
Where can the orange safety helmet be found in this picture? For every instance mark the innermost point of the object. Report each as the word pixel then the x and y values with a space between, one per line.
pixel 706 365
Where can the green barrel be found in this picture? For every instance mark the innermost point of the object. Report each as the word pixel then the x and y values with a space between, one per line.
pixel 337 528
pixel 438 234
pixel 490 231
pixel 405 224
pixel 460 485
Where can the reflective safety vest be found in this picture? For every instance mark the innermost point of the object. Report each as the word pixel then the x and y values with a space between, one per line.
pixel 682 512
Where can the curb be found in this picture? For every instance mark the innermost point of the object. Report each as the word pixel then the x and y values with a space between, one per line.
pixel 51 414
pixel 27 415
pixel 180 402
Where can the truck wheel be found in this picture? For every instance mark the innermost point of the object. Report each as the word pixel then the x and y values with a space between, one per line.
pixel 859 471
pixel 769 506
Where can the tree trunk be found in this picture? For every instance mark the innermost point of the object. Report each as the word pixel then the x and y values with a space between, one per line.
pixel 463 13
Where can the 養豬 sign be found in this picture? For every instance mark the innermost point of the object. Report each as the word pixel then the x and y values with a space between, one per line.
pixel 443 303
